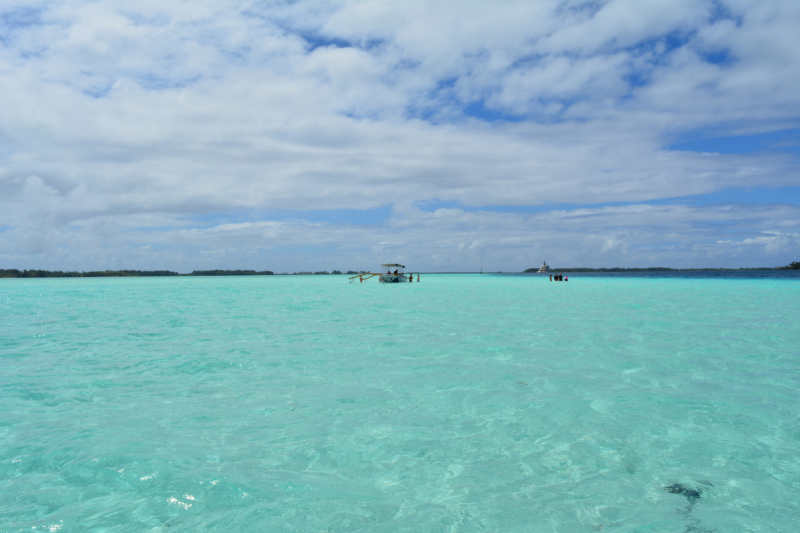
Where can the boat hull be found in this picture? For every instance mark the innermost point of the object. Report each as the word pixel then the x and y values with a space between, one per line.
pixel 392 278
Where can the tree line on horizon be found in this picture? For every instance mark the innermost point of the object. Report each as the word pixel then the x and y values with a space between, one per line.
pixel 794 265
pixel 14 273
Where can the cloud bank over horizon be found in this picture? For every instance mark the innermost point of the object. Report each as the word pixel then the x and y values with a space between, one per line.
pixel 447 136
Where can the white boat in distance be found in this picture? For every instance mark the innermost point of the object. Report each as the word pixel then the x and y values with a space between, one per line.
pixel 545 268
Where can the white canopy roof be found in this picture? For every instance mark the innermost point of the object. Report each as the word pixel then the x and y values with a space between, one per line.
pixel 392 265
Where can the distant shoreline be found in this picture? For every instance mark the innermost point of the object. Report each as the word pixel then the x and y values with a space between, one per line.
pixel 14 273
pixel 33 274
pixel 651 269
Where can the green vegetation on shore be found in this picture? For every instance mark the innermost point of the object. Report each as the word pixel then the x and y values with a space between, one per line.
pixel 793 266
pixel 616 269
pixel 14 273
pixel 230 273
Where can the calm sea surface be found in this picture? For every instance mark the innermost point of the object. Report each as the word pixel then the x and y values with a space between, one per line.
pixel 460 403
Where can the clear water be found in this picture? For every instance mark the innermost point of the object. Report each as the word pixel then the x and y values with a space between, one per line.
pixel 460 403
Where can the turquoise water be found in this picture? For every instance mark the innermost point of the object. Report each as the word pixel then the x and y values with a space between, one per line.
pixel 461 403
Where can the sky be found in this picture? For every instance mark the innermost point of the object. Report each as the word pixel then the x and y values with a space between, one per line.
pixel 444 135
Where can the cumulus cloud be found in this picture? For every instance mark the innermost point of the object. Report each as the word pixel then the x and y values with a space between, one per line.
pixel 122 127
pixel 443 239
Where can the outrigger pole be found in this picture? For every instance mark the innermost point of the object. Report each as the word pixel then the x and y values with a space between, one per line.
pixel 367 275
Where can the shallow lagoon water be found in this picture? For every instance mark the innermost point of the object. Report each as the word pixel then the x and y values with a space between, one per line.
pixel 460 403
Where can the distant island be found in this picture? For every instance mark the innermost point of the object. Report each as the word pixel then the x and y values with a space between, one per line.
pixel 14 273
pixel 229 273
pixel 794 265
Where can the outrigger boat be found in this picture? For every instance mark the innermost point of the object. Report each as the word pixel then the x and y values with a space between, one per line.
pixel 398 276
pixel 390 276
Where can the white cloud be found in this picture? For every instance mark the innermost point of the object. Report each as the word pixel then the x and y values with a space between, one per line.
pixel 155 114
pixel 443 239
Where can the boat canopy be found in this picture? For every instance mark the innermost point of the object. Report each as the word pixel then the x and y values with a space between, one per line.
pixel 392 265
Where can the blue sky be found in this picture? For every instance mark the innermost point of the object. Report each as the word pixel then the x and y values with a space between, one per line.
pixel 447 136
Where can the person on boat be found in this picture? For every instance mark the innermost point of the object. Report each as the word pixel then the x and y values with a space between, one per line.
pixel 395 271
pixel 389 272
